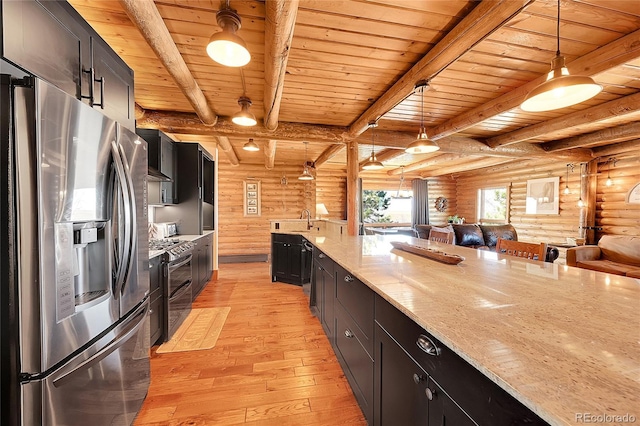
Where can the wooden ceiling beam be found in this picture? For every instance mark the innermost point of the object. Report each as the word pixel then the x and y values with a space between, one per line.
pixel 618 107
pixel 616 53
pixel 280 19
pixel 617 148
pixel 471 165
pixel 189 123
pixel 145 16
pixel 270 154
pixel 327 154
pixel 433 160
pixel 227 148
pixel 611 134
pixel 481 22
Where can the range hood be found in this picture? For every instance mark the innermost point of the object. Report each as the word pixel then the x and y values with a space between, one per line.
pixel 157 175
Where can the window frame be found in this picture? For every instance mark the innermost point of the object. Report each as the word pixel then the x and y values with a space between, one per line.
pixel 480 204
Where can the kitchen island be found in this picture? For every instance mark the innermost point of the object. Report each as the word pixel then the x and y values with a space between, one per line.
pixel 563 341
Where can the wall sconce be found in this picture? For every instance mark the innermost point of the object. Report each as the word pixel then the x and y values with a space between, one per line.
pixel 580 202
pixel 609 182
pixel 226 47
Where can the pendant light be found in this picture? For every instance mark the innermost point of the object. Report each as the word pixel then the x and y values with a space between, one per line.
pixel 567 191
pixel 251 146
pixel 580 202
pixel 244 117
pixel 561 89
pixel 422 144
pixel 609 182
pixel 226 47
pixel 306 175
pixel 373 163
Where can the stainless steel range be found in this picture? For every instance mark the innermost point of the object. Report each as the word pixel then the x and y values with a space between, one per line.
pixel 178 271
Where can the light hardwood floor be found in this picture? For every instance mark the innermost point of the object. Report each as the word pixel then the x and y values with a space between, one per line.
pixel 272 364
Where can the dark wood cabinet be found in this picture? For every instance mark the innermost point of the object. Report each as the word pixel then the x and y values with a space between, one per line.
pixel 290 259
pixel 324 291
pixel 202 263
pixel 156 291
pixel 162 167
pixel 192 214
pixel 52 41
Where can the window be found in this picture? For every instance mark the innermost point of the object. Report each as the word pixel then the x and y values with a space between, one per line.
pixel 492 204
pixel 380 206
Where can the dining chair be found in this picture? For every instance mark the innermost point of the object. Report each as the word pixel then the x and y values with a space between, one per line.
pixel 441 236
pixel 533 251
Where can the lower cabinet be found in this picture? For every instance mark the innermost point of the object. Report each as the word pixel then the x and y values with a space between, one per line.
pixel 290 259
pixel 156 291
pixel 323 291
pixel 202 263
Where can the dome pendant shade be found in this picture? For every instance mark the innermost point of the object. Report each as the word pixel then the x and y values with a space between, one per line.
pixel 373 163
pixel 244 117
pixel 251 146
pixel 422 145
pixel 226 47
pixel 306 175
pixel 560 90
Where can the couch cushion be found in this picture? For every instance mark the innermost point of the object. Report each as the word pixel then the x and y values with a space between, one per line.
pixel 468 235
pixel 634 274
pixel 606 266
pixel 619 248
pixel 491 233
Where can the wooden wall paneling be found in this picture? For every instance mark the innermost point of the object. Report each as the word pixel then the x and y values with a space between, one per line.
pixel 442 187
pixel 331 189
pixel 239 235
pixel 613 214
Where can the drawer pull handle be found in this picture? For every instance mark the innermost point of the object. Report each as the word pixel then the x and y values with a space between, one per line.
pixel 417 378
pixel 430 394
pixel 348 334
pixel 150 311
pixel 321 256
pixel 426 345
pixel 348 278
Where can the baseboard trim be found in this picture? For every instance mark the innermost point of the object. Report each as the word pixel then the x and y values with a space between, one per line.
pixel 243 258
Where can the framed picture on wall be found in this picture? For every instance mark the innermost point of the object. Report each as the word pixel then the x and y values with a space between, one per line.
pixel 543 196
pixel 251 198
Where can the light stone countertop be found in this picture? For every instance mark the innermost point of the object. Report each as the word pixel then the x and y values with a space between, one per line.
pixel 564 341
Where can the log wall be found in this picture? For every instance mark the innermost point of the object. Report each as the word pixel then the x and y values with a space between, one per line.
pixel 613 214
pixel 442 186
pixel 331 189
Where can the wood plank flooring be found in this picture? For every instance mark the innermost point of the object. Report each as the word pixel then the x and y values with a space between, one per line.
pixel 272 364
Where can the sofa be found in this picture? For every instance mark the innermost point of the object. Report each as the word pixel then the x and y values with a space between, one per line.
pixel 482 237
pixel 614 254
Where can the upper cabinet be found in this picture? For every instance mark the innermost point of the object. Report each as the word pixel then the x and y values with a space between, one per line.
pixel 52 41
pixel 162 167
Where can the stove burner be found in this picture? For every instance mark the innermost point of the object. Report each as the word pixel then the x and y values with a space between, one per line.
pixel 164 244
pixel 175 248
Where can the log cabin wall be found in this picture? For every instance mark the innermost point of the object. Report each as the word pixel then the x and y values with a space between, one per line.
pixel 442 186
pixel 331 189
pixel 613 214
pixel 240 235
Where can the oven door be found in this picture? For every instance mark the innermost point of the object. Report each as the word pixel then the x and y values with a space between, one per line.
pixel 178 293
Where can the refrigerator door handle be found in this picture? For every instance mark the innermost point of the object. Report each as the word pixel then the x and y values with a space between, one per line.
pixel 136 322
pixel 121 178
pixel 131 223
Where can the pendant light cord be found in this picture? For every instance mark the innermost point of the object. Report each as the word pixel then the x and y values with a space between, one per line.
pixel 558 31
pixel 421 108
pixel 244 85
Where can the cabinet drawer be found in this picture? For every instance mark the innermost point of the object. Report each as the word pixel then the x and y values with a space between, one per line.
pixel 321 259
pixel 480 397
pixel 357 363
pixel 357 300
pixel 286 238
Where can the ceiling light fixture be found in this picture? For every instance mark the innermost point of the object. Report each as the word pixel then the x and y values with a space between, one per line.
pixel 251 146
pixel 306 175
pixel 580 202
pixel 561 89
pixel 244 117
pixel 226 47
pixel 373 163
pixel 422 144
pixel 567 191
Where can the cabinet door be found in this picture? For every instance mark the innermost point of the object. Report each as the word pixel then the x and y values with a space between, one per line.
pixel 443 410
pixel 329 297
pixel 400 385
pixel 279 260
pixel 168 191
pixel 296 263
pixel 113 85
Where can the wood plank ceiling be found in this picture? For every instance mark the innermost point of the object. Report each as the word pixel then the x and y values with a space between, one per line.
pixel 351 62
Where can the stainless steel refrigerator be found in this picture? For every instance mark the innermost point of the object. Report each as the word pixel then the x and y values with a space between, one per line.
pixel 74 268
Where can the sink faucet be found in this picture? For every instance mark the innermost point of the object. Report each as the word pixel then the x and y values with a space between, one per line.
pixel 308 217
